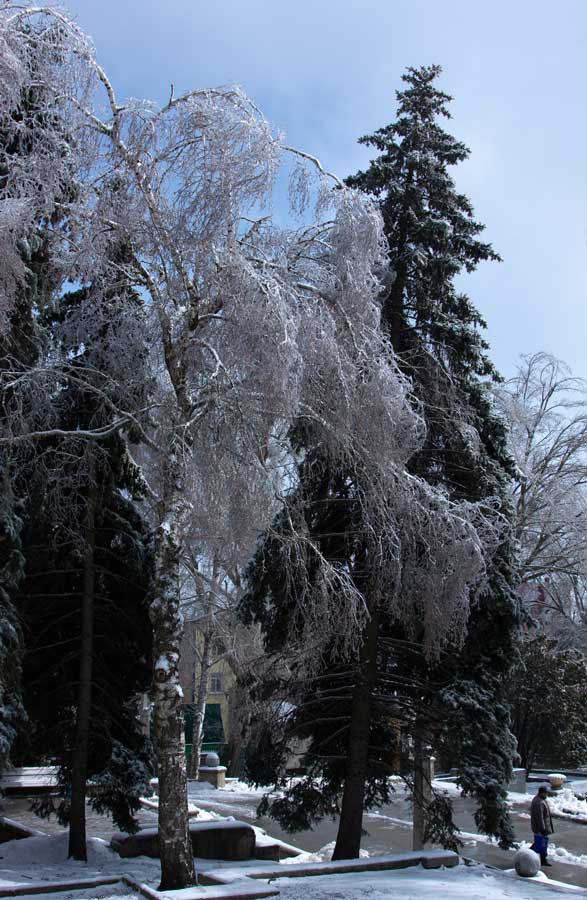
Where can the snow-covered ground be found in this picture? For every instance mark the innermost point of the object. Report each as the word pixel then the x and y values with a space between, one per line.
pixel 43 859
pixel 238 799
pixel 566 802
pixel 449 787
pixel 563 802
pixel 478 883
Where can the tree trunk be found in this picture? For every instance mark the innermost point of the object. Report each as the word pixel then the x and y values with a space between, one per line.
pixel 423 778
pixel 79 759
pixel 393 309
pixel 237 717
pixel 200 706
pixel 177 864
pixel 418 799
pixel 394 316
pixel 348 839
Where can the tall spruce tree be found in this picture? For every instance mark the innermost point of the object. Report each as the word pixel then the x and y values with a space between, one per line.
pixel 434 329
pixel 20 346
pixel 88 568
pixel 459 703
pixel 88 577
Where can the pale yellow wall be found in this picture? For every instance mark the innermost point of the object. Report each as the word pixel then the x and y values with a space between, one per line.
pixel 228 679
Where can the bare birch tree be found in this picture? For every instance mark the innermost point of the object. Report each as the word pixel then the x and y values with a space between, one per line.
pixel 546 410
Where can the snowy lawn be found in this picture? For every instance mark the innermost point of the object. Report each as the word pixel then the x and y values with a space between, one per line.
pixel 478 883
pixel 44 858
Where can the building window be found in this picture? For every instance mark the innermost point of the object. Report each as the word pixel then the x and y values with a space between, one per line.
pixel 216 683
pixel 217 647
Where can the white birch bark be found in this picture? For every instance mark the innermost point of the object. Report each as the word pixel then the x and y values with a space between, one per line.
pixel 200 703
pixel 177 864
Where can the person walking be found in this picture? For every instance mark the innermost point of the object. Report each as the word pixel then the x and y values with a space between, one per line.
pixel 541 824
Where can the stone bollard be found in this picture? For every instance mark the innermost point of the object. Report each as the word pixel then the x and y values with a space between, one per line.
pixel 527 863
pixel 518 781
pixel 557 780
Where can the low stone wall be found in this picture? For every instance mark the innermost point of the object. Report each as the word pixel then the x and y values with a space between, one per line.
pixel 14 831
pixel 210 840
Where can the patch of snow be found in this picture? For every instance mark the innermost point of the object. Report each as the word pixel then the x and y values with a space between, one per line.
pixel 394 821
pixel 579 786
pixel 460 883
pixel 240 787
pixel 48 849
pixel 322 855
pixel 562 855
pixel 262 839
pixel 543 878
pixel 565 801
pixel 44 858
pixel 194 812
pixel 202 815
pixel 31 777
pixel 449 787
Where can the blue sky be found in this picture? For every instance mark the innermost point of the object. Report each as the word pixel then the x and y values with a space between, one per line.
pixel 326 71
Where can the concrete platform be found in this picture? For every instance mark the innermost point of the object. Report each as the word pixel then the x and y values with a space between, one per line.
pixel 53 887
pixel 215 839
pixel 239 884
pixel 429 859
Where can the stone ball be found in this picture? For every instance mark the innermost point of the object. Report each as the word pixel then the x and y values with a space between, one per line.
pixel 212 759
pixel 527 863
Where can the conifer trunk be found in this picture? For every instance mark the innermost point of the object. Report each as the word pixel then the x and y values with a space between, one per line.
pixel 394 316
pixel 177 864
pixel 423 778
pixel 418 799
pixel 348 839
pixel 79 760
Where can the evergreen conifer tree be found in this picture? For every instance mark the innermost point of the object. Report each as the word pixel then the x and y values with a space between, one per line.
pixel 20 346
pixel 83 602
pixel 50 603
pixel 459 703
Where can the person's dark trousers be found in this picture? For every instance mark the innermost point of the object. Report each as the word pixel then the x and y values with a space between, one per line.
pixel 540 846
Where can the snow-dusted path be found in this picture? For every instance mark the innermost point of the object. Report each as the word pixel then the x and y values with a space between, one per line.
pixel 389 829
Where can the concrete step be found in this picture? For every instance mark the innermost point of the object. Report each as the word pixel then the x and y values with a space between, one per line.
pixel 429 859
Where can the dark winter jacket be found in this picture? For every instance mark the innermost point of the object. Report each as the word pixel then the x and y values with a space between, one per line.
pixel 540 817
